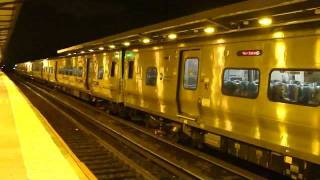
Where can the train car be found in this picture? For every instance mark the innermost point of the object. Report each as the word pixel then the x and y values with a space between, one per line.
pixel 23 68
pixel 71 74
pixel 49 70
pixel 106 74
pixel 246 85
pixel 37 69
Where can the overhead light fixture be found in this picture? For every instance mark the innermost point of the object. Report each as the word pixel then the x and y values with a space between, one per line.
pixel 127 43
pixel 265 21
pixel 82 52
pixel 135 50
pixel 101 48
pixel 69 54
pixel 155 48
pixel 209 30
pixel 112 46
pixel 146 40
pixel 172 36
pixel 74 53
pixel 278 35
pixel 91 50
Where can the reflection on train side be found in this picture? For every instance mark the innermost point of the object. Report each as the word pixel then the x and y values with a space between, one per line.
pixel 295 86
pixel 241 82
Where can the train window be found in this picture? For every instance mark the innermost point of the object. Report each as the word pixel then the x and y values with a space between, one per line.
pixel 130 70
pixel 295 86
pixel 80 71
pixel 151 76
pixel 191 67
pixel 100 72
pixel 241 82
pixel 113 69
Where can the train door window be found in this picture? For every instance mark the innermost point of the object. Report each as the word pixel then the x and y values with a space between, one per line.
pixel 191 68
pixel 241 82
pixel 295 86
pixel 151 76
pixel 113 69
pixel 80 71
pixel 130 69
pixel 100 72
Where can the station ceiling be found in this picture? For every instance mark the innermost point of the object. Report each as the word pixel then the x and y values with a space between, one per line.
pixel 8 13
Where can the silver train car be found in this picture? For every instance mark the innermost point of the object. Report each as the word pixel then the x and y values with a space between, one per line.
pixel 226 78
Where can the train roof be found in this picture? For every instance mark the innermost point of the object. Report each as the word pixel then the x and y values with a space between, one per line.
pixel 238 17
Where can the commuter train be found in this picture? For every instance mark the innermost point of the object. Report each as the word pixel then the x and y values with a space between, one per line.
pixel 254 94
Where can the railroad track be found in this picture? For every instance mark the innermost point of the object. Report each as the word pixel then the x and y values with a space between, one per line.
pixel 135 152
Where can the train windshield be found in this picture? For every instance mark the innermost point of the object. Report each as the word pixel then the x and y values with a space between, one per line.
pixel 241 82
pixel 295 86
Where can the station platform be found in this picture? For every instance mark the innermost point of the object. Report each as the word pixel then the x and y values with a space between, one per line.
pixel 29 147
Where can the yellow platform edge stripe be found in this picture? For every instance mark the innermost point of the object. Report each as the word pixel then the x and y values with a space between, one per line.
pixel 81 169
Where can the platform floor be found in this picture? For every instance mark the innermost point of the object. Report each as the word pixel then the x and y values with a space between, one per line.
pixel 29 148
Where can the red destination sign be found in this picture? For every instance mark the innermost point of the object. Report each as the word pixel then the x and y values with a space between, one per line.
pixel 249 53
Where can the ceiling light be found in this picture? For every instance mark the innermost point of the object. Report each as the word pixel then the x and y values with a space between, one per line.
pixel 146 40
pixel 112 46
pixel 127 43
pixel 101 48
pixel 91 50
pixel 209 30
pixel 135 50
pixel 82 52
pixel 172 36
pixel 278 34
pixel 74 53
pixel 69 54
pixel 266 21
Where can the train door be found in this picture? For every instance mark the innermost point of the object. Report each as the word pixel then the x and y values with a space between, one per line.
pixel 188 84
pixel 56 71
pixel 89 73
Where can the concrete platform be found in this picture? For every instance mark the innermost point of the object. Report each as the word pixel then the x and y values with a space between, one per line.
pixel 29 147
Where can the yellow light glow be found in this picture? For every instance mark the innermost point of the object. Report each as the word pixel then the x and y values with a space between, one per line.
pixel 69 54
pixel 221 41
pixel 112 46
pixel 280 53
pixel 101 48
pixel 135 50
pixel 91 50
pixel 278 35
pixel 146 40
pixel 209 30
pixel 315 147
pixel 82 52
pixel 266 21
pixel 127 43
pixel 74 53
pixel 155 48
pixel 172 36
